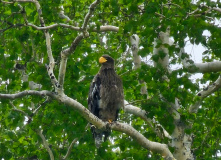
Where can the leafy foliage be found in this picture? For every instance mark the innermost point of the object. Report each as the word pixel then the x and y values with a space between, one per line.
pixel 22 44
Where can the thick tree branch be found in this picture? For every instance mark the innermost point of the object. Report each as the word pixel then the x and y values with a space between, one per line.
pixel 160 148
pixel 216 9
pixel 198 67
pixel 164 39
pixel 6 2
pixel 54 26
pixel 153 146
pixel 135 41
pixel 106 28
pixel 135 111
pixel 102 28
pixel 62 15
pixel 45 143
pixel 158 129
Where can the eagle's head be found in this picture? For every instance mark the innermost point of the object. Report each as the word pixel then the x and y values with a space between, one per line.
pixel 106 61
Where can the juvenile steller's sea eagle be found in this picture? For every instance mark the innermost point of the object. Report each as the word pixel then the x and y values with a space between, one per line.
pixel 106 97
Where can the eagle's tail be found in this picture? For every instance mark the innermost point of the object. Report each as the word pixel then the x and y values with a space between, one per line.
pixel 98 139
pixel 100 135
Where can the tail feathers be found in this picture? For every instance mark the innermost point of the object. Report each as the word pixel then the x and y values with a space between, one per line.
pixel 98 139
pixel 100 136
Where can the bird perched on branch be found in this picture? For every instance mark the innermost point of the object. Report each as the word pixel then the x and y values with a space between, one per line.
pixel 105 97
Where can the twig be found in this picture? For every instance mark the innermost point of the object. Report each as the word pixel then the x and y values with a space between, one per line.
pixel 42 104
pixel 18 110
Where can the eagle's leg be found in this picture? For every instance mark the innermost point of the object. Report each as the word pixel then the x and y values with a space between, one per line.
pixel 107 131
pixel 110 120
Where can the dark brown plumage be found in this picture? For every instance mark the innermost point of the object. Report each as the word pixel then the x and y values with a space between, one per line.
pixel 105 97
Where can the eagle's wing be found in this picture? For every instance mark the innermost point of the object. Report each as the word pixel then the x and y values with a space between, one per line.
pixel 94 96
pixel 94 99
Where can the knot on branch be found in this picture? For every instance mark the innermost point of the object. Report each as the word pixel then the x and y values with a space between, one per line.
pixel 86 34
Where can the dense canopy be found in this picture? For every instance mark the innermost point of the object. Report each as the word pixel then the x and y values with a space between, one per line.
pixel 49 53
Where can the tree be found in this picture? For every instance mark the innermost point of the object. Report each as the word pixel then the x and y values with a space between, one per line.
pixel 49 52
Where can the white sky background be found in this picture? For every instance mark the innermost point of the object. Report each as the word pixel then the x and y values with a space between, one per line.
pixel 195 51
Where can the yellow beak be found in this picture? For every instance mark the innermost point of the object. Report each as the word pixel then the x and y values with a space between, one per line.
pixel 102 60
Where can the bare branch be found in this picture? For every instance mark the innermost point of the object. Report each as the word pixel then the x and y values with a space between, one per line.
pixel 153 146
pixel 62 15
pixel 42 104
pixel 204 93
pixel 107 28
pixel 89 14
pixel 55 25
pixel 102 28
pixel 51 65
pixel 208 67
pixel 164 38
pixel 158 129
pixel 69 148
pixel 18 110
pixel 33 1
pixel 64 55
pixel 135 41
pixel 45 143
pixel 135 111
pixel 216 9
pixel 198 67
pixel 71 49
pixel 7 2
pixel 25 93
pixel 160 148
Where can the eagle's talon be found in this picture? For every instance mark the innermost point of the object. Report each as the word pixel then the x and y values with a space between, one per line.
pixel 110 120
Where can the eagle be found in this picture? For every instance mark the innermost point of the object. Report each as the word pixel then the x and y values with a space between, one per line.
pixel 105 98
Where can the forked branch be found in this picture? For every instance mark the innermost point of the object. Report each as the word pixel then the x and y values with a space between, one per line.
pixel 122 127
